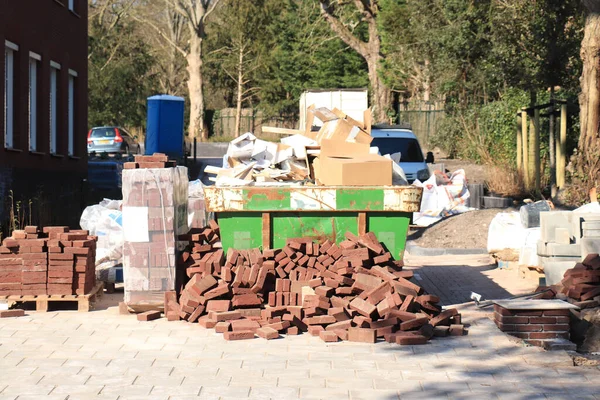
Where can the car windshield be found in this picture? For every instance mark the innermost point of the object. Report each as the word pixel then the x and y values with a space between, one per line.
pixel 410 149
pixel 103 132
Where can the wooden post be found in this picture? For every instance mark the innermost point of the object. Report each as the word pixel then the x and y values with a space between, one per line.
pixel 519 144
pixel 525 148
pixel 551 149
pixel 536 149
pixel 266 230
pixel 561 161
pixel 531 154
pixel 362 223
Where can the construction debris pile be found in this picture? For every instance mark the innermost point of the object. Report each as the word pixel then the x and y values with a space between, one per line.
pixel 352 291
pixel 581 284
pixel 54 261
pixel 338 153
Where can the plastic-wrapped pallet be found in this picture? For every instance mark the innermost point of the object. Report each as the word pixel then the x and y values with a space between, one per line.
pixel 196 205
pixel 155 211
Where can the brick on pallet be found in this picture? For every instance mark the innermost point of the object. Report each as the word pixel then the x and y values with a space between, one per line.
pixel 12 313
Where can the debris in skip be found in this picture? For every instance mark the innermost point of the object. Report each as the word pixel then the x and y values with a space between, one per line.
pixel 339 153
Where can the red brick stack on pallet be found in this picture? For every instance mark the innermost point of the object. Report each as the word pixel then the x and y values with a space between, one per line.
pixel 157 160
pixel 53 261
pixel 154 213
pixel 352 291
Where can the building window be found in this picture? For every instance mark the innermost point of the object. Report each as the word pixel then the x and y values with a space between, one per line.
pixel 54 73
pixel 72 5
pixel 71 119
pixel 9 93
pixel 34 60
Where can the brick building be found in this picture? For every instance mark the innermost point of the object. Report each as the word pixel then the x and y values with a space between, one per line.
pixel 43 106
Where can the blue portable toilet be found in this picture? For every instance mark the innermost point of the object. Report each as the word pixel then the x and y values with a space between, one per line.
pixel 164 127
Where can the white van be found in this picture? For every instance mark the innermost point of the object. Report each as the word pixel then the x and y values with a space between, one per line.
pixel 391 139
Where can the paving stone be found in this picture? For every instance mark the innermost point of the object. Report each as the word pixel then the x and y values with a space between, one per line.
pixel 373 394
pixel 19 389
pixel 127 390
pixel 328 393
pixel 225 391
pixel 162 390
pixel 80 390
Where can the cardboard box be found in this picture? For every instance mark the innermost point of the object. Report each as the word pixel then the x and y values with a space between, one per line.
pixel 334 148
pixel 342 131
pixel 360 170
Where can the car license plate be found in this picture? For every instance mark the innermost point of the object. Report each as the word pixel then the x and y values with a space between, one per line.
pixel 105 142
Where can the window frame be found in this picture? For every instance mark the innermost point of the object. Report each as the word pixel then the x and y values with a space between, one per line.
pixel 34 89
pixel 10 49
pixel 54 101
pixel 71 113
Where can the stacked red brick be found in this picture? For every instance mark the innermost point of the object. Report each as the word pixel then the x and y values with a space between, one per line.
pixel 160 194
pixel 354 291
pixel 157 160
pixel 534 326
pixel 54 261
pixel 581 284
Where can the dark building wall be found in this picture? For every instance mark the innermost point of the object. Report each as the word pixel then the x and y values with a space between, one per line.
pixel 49 29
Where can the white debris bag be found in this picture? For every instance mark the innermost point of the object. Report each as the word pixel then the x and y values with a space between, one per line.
pixel 442 196
pixel 506 232
pixel 105 220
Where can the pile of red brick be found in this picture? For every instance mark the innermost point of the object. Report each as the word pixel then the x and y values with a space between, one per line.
pixel 52 261
pixel 157 160
pixel 581 284
pixel 352 291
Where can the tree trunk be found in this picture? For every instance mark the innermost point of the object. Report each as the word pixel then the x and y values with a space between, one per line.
pixel 195 83
pixel 589 99
pixel 240 89
pixel 380 94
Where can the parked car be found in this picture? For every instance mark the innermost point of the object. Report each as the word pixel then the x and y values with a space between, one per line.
pixel 112 139
pixel 391 139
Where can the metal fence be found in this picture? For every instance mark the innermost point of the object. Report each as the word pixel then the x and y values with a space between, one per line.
pixel 425 118
pixel 223 122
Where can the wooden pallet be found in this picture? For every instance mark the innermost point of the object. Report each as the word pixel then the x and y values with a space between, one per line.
pixel 41 301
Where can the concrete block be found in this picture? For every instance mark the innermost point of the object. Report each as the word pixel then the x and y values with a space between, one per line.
pixel 577 221
pixel 589 246
pixel 591 225
pixel 558 344
pixel 562 235
pixel 542 249
pixel 590 233
pixel 550 220
pixel 563 250
pixel 555 270
pixel 543 260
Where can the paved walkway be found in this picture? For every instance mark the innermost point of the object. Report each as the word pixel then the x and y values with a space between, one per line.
pixel 103 355
pixel 453 278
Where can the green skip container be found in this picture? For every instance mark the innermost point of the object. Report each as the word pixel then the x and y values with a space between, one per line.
pixel 253 217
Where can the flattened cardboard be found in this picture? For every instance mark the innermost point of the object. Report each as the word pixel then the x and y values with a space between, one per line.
pixel 364 170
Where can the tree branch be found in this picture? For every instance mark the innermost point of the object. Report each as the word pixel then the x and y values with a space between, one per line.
pixel 162 34
pixel 328 12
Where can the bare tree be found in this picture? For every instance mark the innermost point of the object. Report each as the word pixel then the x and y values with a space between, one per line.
pixel 193 14
pixel 588 158
pixel 369 50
